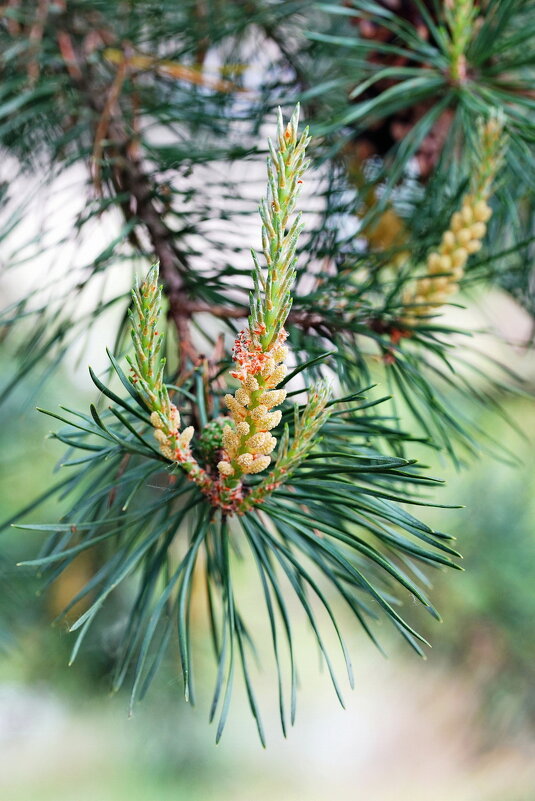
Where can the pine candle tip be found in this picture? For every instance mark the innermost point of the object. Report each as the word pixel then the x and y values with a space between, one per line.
pixel 259 351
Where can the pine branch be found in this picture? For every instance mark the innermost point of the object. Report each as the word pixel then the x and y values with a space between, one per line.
pixel 331 503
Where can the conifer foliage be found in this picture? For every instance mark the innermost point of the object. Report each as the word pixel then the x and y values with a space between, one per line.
pixel 276 451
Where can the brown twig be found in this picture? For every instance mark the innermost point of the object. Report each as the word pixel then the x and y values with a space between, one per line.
pixel 69 56
pixel 110 106
pixel 12 24
pixel 35 37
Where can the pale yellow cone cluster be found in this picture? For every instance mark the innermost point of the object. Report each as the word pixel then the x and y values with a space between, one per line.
pixel 467 228
pixel 445 267
pixel 249 444
pixel 173 444
pixel 292 452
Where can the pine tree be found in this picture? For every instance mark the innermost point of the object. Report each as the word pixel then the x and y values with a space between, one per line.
pixel 417 184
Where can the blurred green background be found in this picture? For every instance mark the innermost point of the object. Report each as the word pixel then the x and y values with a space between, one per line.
pixel 460 725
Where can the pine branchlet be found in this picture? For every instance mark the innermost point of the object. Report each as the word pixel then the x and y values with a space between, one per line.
pixel 466 229
pixel 147 369
pixel 259 350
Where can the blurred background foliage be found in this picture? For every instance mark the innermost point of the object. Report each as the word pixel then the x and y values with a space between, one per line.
pixel 136 128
